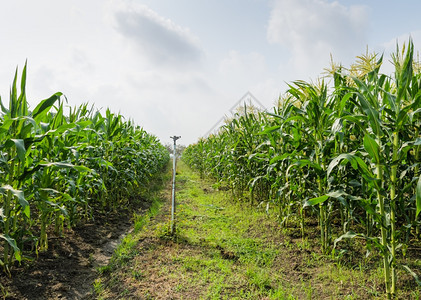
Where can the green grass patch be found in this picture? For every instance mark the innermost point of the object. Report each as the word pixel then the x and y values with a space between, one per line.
pixel 226 250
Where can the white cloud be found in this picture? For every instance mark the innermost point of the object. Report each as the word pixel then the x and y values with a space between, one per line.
pixel 312 29
pixel 241 71
pixel 390 46
pixel 82 61
pixel 236 62
pixel 160 39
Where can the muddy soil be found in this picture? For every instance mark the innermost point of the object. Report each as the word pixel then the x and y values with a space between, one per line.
pixel 69 266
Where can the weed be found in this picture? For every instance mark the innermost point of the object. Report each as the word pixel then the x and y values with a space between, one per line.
pixel 98 286
pixel 137 274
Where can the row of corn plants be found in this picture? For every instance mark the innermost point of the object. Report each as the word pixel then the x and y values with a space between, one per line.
pixel 56 167
pixel 347 147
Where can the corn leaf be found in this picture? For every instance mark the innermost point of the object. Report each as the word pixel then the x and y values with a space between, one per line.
pixel 372 148
pixel 21 198
pixel 12 243
pixel 317 200
pixel 413 274
pixel 20 148
pixel 418 196
pixel 45 105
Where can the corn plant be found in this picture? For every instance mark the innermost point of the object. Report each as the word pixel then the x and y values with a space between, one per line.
pixel 348 149
pixel 55 169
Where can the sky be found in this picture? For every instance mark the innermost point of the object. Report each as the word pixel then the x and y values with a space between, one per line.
pixel 175 67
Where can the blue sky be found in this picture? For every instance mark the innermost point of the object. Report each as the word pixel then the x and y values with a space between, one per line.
pixel 176 66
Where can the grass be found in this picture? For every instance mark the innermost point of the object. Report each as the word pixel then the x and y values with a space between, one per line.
pixel 223 250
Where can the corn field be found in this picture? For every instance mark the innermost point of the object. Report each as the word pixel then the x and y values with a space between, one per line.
pixel 56 168
pixel 345 148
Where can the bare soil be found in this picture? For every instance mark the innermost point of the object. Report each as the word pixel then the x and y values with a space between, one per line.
pixel 68 268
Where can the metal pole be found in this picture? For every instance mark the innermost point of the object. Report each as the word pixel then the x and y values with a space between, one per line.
pixel 175 138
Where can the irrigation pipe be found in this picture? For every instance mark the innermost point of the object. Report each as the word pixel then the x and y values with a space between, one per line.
pixel 175 138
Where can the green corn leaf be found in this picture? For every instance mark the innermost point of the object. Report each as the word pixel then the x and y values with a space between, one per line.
pixel 405 74
pixel 45 105
pixel 22 103
pixel 13 244
pixel 357 119
pixel 3 108
pixel 295 118
pixel 418 196
pixel 317 200
pixel 347 235
pixel 411 114
pixel 64 165
pixel 13 102
pixel 413 274
pixel 337 160
pixel 253 182
pixel 57 206
pixel 402 118
pixel 28 172
pixel 371 111
pixel 391 100
pixel 303 163
pixel 23 78
pixel 372 148
pixel 369 208
pixel 337 126
pixel 21 198
pixel 344 101
pixel 337 194
pixel 271 129
pixel 279 157
pixel 84 124
pixel 351 235
pixel 57 164
pixel 357 163
pixel 82 168
pixel 5 125
pixel 20 148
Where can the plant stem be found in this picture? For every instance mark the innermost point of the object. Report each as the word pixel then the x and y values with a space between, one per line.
pixel 379 176
pixel 393 208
